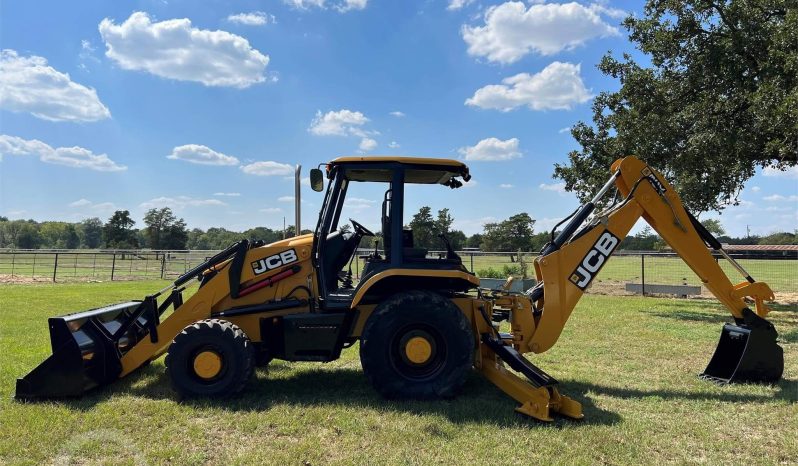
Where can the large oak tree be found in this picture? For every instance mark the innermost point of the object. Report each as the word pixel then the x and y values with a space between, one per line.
pixel 719 99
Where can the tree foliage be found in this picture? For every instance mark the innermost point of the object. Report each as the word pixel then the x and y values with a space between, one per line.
pixel 512 234
pixel 118 231
pixel 719 99
pixel 163 230
pixel 714 226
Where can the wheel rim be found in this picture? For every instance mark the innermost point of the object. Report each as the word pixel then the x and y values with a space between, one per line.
pixel 207 365
pixel 418 352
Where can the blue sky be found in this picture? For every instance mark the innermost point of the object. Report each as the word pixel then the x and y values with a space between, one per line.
pixel 204 106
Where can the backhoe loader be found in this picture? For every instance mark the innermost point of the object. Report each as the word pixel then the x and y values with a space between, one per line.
pixel 422 323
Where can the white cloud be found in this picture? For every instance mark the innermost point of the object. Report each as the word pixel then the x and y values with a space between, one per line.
pixel 341 6
pixel 780 198
pixel 285 199
pixel 341 123
pixel 227 194
pixel 367 144
pixel 357 203
pixel 97 207
pixel 511 30
pixel 567 129
pixel 271 210
pixel 556 187
pixel 506 186
pixel 755 189
pixel 472 183
pixel 28 84
pixel 201 155
pixel 778 209
pixel 76 157
pixel 790 172
pixel 174 49
pixel 268 168
pixel 393 145
pixel 556 87
pixel 80 203
pixel 180 202
pixel 491 150
pixel 458 4
pixel 397 114
pixel 255 18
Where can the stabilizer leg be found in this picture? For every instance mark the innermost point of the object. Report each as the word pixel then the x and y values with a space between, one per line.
pixel 537 400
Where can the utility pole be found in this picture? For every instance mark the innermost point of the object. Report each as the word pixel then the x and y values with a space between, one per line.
pixel 283 227
pixel 748 231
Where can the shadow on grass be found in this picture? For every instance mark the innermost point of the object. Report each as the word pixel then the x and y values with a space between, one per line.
pixel 785 390
pixel 479 402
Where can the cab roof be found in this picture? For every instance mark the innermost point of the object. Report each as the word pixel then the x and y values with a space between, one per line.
pixel 420 170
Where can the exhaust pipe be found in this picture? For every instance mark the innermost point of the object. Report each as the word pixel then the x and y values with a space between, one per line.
pixel 297 201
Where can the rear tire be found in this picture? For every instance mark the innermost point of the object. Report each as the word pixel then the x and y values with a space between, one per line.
pixel 210 358
pixel 417 344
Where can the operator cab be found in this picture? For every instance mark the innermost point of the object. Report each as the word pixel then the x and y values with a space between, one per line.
pixel 334 246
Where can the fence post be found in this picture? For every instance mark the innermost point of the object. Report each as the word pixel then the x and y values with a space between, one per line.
pixel 12 263
pixel 94 266
pixel 113 267
pixel 472 262
pixel 55 266
pixel 643 273
pixel 163 264
pixel 33 274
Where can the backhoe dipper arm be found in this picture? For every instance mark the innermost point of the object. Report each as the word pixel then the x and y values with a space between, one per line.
pixel 568 264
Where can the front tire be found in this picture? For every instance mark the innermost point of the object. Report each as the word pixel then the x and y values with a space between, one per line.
pixel 417 344
pixel 210 358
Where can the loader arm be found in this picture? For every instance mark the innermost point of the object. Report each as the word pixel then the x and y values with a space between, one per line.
pixel 568 265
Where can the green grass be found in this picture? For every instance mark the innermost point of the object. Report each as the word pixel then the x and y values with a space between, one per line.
pixel 631 361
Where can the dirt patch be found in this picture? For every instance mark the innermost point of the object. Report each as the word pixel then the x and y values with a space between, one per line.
pixel 18 279
pixel 613 288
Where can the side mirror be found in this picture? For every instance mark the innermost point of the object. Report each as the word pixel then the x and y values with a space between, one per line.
pixel 316 180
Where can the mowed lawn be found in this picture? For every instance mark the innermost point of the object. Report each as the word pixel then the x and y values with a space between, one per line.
pixel 631 361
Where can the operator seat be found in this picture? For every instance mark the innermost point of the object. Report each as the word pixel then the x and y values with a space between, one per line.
pixel 338 249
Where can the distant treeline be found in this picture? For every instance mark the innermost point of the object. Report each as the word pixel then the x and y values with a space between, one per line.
pixel 163 230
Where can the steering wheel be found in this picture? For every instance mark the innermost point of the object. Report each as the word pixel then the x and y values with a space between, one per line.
pixel 360 229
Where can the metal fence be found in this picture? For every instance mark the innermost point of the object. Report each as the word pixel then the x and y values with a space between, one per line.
pixel 644 268
pixel 82 265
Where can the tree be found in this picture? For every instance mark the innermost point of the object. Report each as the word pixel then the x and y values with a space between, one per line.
pixel 457 239
pixel 720 99
pixel 118 231
pixel 443 224
pixel 27 235
pixel 512 234
pixel 714 226
pixel 423 226
pixel 90 232
pixel 164 230
pixel 474 241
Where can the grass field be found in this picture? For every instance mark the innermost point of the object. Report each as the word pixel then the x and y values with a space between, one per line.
pixel 631 361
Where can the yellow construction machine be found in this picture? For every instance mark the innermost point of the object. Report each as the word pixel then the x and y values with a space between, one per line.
pixel 422 323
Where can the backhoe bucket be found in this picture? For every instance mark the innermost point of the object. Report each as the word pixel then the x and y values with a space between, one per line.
pixel 746 353
pixel 87 348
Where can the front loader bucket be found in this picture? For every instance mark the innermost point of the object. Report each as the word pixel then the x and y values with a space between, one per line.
pixel 747 353
pixel 87 348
